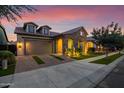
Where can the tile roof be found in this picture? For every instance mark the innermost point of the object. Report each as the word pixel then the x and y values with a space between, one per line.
pixel 74 30
pixel 20 30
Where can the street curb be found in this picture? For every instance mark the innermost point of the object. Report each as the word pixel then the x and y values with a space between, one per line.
pixel 99 75
pixel 95 78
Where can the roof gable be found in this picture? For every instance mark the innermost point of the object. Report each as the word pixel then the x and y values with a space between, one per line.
pixel 46 26
pixel 75 30
pixel 20 30
pixel 25 24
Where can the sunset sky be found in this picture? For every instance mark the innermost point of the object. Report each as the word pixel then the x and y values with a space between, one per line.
pixel 63 18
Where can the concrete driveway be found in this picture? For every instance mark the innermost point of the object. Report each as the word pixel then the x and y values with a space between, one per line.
pixel 27 63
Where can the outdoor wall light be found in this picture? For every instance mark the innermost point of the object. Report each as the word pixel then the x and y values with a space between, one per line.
pixel 19 44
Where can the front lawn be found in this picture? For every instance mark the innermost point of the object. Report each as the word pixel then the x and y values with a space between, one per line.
pixel 87 56
pixel 57 57
pixel 107 60
pixel 11 63
pixel 38 60
pixel 10 70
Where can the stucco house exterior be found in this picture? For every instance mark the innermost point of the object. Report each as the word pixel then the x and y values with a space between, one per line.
pixel 33 39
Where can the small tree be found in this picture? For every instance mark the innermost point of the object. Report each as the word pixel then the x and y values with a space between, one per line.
pixel 108 37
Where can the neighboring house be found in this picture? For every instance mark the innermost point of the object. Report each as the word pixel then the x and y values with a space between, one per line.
pixel 33 39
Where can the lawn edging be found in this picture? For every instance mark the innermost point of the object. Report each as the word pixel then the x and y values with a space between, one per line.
pixel 107 60
pixel 57 57
pixel 95 58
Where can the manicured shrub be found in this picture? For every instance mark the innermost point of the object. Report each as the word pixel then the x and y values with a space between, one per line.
pixel 69 52
pixel 7 55
pixel 78 51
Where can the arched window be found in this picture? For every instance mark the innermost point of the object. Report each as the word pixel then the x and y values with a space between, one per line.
pixel 70 43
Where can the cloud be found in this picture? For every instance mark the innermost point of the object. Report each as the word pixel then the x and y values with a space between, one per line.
pixel 11 37
pixel 62 18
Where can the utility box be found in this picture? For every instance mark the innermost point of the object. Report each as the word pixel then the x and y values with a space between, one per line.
pixel 4 64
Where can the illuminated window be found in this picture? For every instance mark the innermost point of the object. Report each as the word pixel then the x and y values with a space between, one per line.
pixel 70 43
pixel 90 44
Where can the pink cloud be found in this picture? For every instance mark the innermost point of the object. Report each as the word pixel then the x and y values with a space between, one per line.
pixel 91 16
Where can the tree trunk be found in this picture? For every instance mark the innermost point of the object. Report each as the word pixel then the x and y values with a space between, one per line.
pixel 106 53
pixel 119 51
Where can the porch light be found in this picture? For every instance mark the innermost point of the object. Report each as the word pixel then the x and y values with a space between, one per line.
pixel 19 44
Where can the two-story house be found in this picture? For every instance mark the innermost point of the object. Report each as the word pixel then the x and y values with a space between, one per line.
pixel 32 40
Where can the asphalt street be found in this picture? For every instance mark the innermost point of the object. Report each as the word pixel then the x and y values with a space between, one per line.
pixel 115 79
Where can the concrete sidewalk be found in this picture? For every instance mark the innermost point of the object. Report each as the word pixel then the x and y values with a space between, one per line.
pixel 74 74
pixel 93 79
pixel 115 79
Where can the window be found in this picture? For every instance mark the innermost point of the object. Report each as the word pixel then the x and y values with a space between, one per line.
pixel 81 33
pixel 90 44
pixel 45 31
pixel 31 28
pixel 70 43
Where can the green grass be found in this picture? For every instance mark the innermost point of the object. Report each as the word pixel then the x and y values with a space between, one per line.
pixel 11 63
pixel 107 60
pixel 57 57
pixel 38 60
pixel 86 56
pixel 10 70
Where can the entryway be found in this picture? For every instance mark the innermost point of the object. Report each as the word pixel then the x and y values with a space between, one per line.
pixel 59 46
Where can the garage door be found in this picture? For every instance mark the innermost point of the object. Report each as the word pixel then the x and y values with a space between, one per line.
pixel 36 46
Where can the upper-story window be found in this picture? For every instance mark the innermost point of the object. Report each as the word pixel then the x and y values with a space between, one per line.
pixel 31 28
pixel 81 33
pixel 45 31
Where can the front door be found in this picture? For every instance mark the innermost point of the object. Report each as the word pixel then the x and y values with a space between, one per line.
pixel 59 46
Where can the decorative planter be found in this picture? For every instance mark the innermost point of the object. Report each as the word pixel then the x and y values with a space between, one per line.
pixel 4 64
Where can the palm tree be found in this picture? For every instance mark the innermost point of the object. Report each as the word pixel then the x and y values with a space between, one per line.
pixel 11 12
